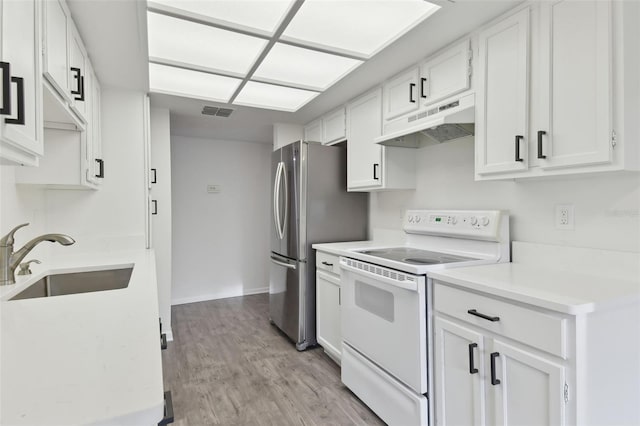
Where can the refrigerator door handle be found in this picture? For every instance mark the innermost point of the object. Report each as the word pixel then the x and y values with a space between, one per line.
pixel 276 200
pixel 281 263
pixel 286 200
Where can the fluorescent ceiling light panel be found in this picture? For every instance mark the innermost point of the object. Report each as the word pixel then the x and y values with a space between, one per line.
pixel 192 84
pixel 303 67
pixel 360 26
pixel 263 15
pixel 201 45
pixel 270 96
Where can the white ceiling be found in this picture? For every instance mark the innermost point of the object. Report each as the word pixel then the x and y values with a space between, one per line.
pixel 120 58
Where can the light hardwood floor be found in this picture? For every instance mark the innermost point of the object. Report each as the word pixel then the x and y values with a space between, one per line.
pixel 228 366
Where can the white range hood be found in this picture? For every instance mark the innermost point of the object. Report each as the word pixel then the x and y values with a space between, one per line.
pixel 450 120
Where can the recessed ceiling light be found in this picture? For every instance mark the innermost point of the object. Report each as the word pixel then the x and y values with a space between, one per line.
pixel 270 96
pixel 263 15
pixel 201 45
pixel 303 67
pixel 359 26
pixel 192 84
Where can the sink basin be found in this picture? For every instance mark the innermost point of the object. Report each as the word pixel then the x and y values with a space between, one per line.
pixel 77 282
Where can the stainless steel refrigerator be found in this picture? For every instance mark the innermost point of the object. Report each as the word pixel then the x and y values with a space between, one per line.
pixel 310 205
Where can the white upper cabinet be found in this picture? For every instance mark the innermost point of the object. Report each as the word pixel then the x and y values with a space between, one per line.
pixel 334 126
pixel 78 64
pixel 313 131
pixel 21 82
pixel 401 94
pixel 445 74
pixel 502 97
pixel 56 46
pixel 575 84
pixel 364 158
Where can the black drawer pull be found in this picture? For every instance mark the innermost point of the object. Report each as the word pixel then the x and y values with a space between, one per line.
pixel 163 341
pixel 327 264
pixel 541 133
pixel 493 356
pixel 101 164
pixel 518 139
pixel 6 88
pixel 483 316
pixel 20 91
pixel 168 410
pixel 472 368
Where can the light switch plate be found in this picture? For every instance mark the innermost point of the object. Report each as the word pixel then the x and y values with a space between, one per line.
pixel 214 189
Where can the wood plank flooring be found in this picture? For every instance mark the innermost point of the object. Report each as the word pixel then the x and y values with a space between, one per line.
pixel 228 366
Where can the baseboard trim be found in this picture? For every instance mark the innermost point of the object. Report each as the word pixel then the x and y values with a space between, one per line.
pixel 216 296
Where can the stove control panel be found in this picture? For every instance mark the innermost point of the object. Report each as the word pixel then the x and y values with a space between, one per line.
pixel 474 224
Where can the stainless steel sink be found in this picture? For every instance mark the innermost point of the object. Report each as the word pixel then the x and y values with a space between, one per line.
pixel 77 282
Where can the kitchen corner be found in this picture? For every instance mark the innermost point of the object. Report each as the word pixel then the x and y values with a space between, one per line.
pixel 83 358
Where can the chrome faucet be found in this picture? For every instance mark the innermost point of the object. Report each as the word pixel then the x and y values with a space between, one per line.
pixel 9 260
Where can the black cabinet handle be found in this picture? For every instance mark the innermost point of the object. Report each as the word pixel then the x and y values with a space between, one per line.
pixel 168 410
pixel 518 139
pixel 541 133
pixel 493 356
pixel 375 171
pixel 163 341
pixel 327 264
pixel 339 296
pixel 6 88
pixel 472 368
pixel 411 87
pixel 153 180
pixel 101 164
pixel 155 207
pixel 422 82
pixel 80 84
pixel 20 115
pixel 483 316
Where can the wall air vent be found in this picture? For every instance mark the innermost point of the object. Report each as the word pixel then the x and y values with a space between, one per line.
pixel 217 112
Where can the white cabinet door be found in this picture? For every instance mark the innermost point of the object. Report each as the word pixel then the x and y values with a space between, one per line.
pixel 364 158
pixel 21 81
pixel 328 313
pixel 446 74
pixel 96 162
pixel 313 131
pixel 79 76
pixel 56 46
pixel 575 75
pixel 334 126
pixel 401 94
pixel 502 107
pixel 459 374
pixel 530 389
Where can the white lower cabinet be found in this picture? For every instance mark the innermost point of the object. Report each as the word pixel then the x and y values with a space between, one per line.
pixel 328 300
pixel 484 378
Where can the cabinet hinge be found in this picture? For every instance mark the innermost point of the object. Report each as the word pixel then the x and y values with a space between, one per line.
pixel 614 140
pixel 566 393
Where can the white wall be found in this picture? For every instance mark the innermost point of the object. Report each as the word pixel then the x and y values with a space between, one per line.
pixel 110 218
pixel 607 205
pixel 220 241
pixel 161 222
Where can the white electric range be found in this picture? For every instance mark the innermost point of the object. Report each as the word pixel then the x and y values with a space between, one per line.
pixel 386 307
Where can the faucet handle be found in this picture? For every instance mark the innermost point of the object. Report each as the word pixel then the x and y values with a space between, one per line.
pixel 7 240
pixel 24 267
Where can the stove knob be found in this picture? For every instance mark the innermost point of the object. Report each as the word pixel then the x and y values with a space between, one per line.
pixel 474 220
pixel 417 219
pixel 484 220
pixel 454 220
pixel 410 219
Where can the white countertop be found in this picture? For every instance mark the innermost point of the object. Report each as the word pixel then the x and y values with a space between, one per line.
pixel 559 290
pixel 345 249
pixel 90 358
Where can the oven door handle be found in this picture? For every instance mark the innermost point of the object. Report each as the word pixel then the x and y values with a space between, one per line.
pixel 411 286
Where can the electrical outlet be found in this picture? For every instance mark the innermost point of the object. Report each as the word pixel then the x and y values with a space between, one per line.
pixel 214 189
pixel 564 216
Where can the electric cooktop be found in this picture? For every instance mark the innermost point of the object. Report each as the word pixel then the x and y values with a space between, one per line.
pixel 415 256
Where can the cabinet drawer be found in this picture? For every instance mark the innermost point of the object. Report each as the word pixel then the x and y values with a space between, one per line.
pixel 328 262
pixel 543 331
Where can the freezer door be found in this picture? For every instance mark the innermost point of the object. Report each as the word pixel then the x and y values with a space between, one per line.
pixel 286 291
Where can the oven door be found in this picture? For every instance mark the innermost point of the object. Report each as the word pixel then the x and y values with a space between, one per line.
pixel 384 318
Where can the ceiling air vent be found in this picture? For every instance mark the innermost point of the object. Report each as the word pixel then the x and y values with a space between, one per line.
pixel 215 111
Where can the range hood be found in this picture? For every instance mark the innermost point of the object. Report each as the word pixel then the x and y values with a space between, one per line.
pixel 447 121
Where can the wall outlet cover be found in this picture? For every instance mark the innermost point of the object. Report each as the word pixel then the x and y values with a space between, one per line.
pixel 564 216
pixel 214 189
